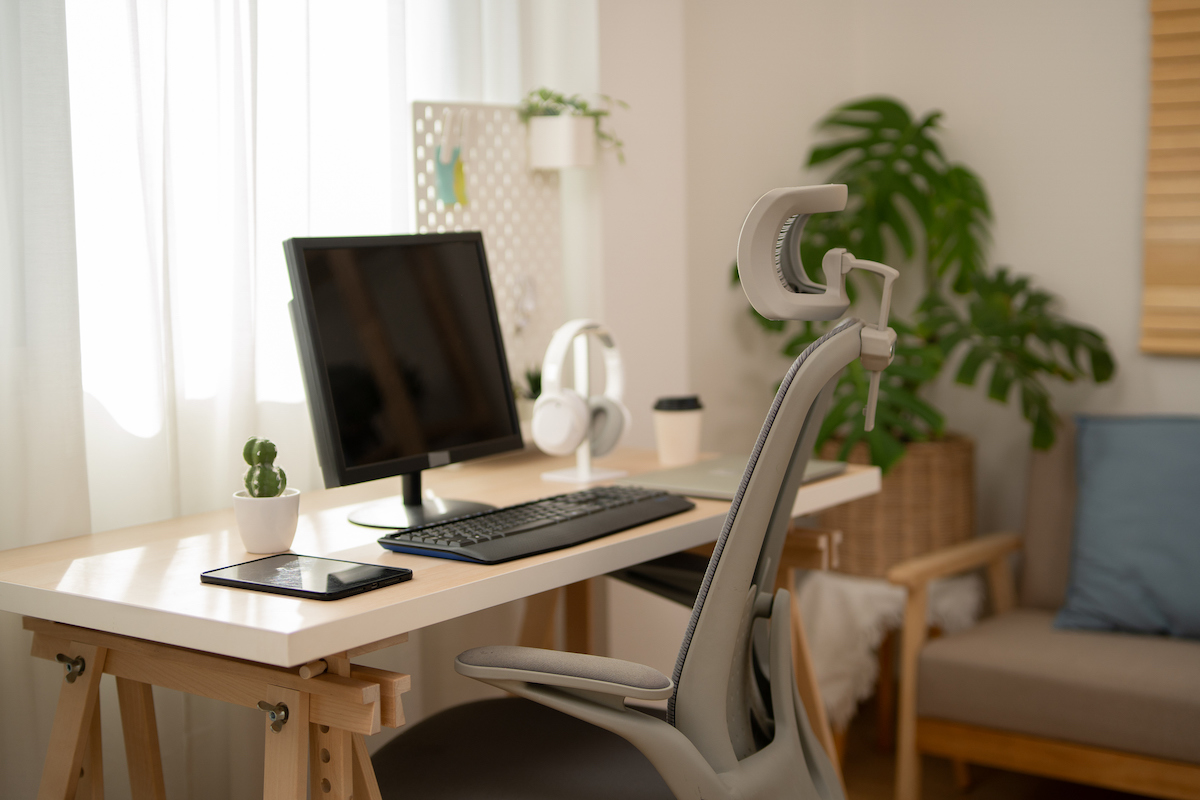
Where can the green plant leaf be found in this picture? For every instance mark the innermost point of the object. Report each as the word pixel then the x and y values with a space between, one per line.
pixel 969 369
pixel 1003 376
pixel 1103 365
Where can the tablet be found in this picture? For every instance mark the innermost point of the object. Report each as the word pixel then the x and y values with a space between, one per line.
pixel 306 576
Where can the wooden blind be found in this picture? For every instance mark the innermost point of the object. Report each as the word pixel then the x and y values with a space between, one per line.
pixel 1171 230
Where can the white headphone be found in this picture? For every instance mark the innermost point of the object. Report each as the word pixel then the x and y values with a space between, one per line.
pixel 561 417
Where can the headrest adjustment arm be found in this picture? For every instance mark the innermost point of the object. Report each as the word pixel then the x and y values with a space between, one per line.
pixel 878 341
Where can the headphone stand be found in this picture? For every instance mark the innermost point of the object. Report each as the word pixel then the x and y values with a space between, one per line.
pixel 583 471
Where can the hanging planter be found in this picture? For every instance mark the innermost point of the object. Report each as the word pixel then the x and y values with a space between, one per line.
pixel 565 131
pixel 559 142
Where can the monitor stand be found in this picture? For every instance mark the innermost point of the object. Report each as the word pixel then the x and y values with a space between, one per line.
pixel 412 509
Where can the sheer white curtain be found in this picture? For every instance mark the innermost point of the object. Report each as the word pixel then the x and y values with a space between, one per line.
pixel 205 134
pixel 43 484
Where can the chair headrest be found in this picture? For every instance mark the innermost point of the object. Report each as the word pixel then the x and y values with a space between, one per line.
pixel 769 265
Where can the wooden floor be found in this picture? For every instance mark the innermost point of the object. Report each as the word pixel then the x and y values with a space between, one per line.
pixel 869 772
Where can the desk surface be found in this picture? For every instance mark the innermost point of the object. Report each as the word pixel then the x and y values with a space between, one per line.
pixel 145 581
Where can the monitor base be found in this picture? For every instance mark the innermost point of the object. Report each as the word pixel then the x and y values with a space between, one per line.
pixel 393 513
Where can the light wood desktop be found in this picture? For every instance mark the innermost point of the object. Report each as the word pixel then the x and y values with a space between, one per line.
pixel 130 602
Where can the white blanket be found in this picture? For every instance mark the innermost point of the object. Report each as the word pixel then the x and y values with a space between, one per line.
pixel 846 617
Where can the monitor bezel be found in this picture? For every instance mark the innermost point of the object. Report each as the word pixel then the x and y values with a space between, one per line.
pixel 316 375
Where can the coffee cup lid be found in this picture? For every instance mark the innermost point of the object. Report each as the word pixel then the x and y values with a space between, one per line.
pixel 685 403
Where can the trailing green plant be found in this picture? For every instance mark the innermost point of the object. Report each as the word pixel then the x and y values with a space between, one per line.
pixel 545 102
pixel 263 478
pixel 908 201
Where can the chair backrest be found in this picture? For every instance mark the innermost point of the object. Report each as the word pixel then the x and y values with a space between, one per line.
pixel 723 688
pixel 1049 523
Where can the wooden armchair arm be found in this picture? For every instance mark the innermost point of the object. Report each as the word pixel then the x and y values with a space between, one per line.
pixel 915 574
pixel 952 560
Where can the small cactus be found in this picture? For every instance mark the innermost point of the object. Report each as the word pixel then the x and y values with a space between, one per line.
pixel 263 478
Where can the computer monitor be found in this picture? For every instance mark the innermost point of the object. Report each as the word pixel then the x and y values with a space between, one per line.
pixel 403 363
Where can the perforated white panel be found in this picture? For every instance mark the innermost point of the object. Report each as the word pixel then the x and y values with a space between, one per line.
pixel 516 208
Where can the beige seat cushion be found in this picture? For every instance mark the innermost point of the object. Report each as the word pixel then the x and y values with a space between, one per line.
pixel 1015 672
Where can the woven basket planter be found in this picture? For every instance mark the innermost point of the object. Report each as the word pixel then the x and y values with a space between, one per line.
pixel 927 502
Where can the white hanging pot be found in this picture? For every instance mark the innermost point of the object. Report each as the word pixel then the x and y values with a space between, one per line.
pixel 562 141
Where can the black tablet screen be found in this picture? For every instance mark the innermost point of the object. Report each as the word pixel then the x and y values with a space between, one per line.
pixel 289 573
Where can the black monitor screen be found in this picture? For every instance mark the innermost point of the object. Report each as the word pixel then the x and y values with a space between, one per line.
pixel 405 350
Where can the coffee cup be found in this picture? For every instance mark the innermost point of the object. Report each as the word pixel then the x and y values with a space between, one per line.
pixel 677 430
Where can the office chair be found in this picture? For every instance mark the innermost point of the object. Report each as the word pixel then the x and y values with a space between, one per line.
pixel 734 726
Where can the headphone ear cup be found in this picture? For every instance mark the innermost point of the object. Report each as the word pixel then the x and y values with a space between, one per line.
pixel 560 421
pixel 609 419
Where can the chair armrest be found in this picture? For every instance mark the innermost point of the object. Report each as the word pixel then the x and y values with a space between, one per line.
pixel 609 676
pixel 954 559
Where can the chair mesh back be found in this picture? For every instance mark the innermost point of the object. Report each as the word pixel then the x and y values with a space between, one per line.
pixel 698 607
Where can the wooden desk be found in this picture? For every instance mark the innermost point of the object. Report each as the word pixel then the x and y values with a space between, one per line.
pixel 130 602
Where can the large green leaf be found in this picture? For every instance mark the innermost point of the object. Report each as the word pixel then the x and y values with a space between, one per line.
pixel 1011 329
pixel 900 183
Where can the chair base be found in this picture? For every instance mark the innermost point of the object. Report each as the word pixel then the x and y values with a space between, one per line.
pixel 1051 758
pixel 513 748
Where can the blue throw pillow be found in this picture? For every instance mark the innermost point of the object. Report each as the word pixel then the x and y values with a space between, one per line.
pixel 1135 563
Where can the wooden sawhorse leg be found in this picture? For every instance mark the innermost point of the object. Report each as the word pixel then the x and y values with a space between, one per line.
pixel 581 637
pixel 142 753
pixel 78 702
pixel 91 775
pixel 284 773
pixel 322 709
pixel 537 622
pixel 333 763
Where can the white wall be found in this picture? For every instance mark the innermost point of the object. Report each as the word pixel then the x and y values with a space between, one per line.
pixel 643 202
pixel 759 74
pixel 1047 102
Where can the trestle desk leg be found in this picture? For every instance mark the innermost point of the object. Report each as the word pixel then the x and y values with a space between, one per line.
pixel 330 762
pixel 537 623
pixel 285 773
pixel 580 636
pixel 77 702
pixel 142 752
pixel 331 750
pixel 91 776
pixel 366 787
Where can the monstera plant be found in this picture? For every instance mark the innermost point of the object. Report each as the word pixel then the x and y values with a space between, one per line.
pixel 910 206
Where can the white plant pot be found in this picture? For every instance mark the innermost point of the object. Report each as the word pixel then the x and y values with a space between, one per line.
pixel 267 524
pixel 562 141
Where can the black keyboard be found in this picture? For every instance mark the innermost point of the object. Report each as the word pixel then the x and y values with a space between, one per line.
pixel 503 534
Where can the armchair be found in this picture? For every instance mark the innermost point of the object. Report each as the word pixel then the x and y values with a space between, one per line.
pixel 1115 710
